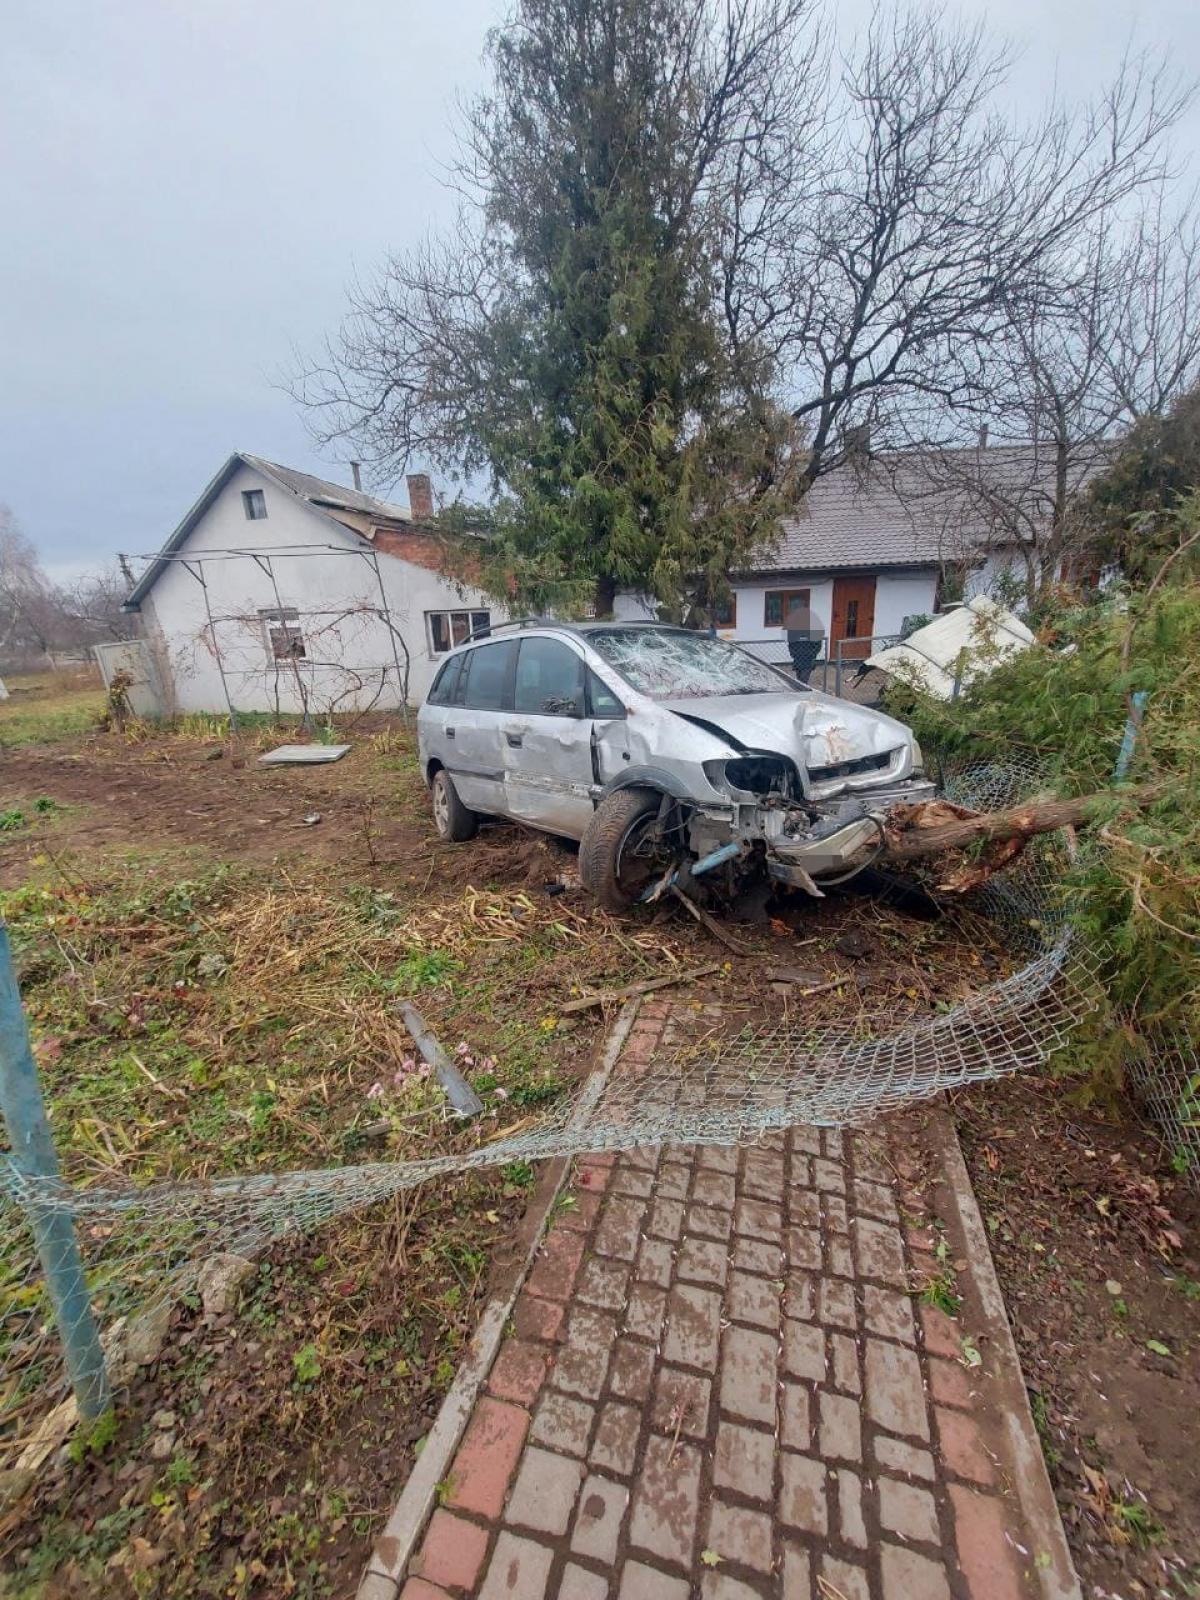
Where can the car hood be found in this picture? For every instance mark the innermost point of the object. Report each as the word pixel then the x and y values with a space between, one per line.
pixel 816 729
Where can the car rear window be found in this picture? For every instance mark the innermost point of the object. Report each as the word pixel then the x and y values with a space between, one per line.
pixel 442 692
pixel 487 671
pixel 670 664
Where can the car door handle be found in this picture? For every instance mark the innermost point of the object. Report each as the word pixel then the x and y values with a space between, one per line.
pixel 513 738
pixel 449 733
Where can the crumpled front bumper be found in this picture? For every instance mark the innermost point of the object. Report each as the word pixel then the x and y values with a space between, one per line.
pixel 842 840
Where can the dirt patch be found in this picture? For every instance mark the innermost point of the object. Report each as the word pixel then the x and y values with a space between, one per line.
pixel 1095 1245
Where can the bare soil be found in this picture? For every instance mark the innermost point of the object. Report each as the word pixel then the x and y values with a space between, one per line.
pixel 1096 1245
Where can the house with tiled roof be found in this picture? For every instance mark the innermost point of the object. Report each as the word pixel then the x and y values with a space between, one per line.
pixel 869 544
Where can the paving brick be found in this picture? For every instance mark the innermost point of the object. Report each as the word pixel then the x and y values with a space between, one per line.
pixel 544 1494
pixel 839 1263
pixel 897 1456
pixel 807 1141
pixel 580 1584
pixel 518 1372
pixel 796 1577
pixel 719 1157
pixel 710 1222
pixel 848 1580
pixel 987 1559
pixel 879 1252
pixel 598 1521
pixel 414 1589
pixel 724 1586
pixel 580 1212
pixel 693 1327
pixel 941 1334
pixel 452 1553
pixel 800 1293
pixel 629 1180
pixel 664 1220
pixel 763 1181
pixel 888 1313
pixel 616 1441
pixel 845 1363
pixel 841 1428
pixel 962 1447
pixel 748 1375
pixel 655 1262
pixel 758 1219
pixel 619 1232
pixel 603 1283
pixel 534 1318
pixel 804 1248
pixel 850 1511
pixel 632 1370
pixel 739 1534
pixel 835 1303
pixel 757 1255
pixel 804 1350
pixel 834 1208
pixel 681 1403
pixel 895 1393
pixel 907 1510
pixel 713 1189
pixel 745 1460
pixel 833 1144
pixel 829 1176
pixel 875 1200
pixel 795 1413
pixel 674 1180
pixel 639 1582
pixel 518 1567
pixel 563 1423
pixel 905 1574
pixel 702 1261
pixel 582 1361
pixel 645 1311
pixel 949 1384
pixel 553 1274
pixel 802 1501
pixel 752 1300
pixel 485 1460
pixel 804 1207
pixel 666 1501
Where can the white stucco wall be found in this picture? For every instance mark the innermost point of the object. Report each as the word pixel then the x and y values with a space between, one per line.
pixel 897 595
pixel 349 663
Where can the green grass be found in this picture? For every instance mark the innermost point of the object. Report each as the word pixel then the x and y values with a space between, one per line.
pixel 44 710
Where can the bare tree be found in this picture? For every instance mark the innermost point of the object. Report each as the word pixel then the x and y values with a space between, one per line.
pixel 91 607
pixel 30 618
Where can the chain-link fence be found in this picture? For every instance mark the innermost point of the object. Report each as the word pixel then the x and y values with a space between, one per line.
pixel 838 669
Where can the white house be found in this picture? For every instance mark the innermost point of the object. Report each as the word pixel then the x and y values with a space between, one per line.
pixel 281 591
pixel 870 544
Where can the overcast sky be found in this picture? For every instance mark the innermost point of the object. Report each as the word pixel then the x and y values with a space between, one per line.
pixel 185 190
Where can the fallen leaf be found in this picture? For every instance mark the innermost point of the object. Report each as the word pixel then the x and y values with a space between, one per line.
pixel 1158 1347
pixel 710 1558
pixel 1104 1204
pixel 1113 1287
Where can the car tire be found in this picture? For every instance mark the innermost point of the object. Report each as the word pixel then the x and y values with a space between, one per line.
pixel 600 847
pixel 453 820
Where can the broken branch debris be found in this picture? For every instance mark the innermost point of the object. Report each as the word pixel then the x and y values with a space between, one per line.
pixel 458 1091
pixel 627 991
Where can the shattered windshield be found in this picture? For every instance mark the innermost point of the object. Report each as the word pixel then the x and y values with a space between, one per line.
pixel 670 664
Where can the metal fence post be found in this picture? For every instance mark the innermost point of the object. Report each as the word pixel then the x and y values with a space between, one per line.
pixel 53 1228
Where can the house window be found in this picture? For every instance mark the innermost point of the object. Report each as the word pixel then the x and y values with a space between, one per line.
pixel 851 619
pixel 254 504
pixel 778 603
pixel 448 628
pixel 281 632
pixel 724 612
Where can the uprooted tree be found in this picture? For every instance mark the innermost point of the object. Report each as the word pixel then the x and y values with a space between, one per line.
pixel 692 242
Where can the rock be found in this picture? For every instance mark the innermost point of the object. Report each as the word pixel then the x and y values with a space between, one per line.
pixel 146 1333
pixel 164 1421
pixel 219 1280
pixel 855 945
pixel 162 1447
pixel 15 1483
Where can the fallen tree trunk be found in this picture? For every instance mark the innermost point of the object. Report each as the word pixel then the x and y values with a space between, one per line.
pixel 918 832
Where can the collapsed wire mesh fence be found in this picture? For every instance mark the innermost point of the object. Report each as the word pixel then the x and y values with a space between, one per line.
pixel 143 1247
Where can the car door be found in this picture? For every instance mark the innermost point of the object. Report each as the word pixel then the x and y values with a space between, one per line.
pixel 473 731
pixel 548 758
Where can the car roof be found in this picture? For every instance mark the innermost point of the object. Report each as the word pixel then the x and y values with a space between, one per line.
pixel 499 631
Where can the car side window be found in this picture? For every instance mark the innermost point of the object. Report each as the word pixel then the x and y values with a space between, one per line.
pixel 549 679
pixel 601 701
pixel 444 685
pixel 487 677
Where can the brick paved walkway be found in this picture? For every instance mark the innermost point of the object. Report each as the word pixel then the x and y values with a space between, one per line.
pixel 717 1384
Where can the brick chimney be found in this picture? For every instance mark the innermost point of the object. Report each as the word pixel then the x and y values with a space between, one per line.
pixel 420 497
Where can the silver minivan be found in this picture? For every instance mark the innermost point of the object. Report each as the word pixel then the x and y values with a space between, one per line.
pixel 668 754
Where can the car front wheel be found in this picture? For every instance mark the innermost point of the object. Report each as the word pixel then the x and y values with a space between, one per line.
pixel 451 818
pixel 623 854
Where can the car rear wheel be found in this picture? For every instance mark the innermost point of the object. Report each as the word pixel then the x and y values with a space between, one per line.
pixel 623 853
pixel 451 818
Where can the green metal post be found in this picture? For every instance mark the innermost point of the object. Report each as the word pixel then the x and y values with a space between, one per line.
pixel 33 1156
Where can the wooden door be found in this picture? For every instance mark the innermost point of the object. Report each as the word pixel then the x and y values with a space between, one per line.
pixel 853 620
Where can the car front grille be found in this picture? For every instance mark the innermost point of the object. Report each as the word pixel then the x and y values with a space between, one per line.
pixel 854 769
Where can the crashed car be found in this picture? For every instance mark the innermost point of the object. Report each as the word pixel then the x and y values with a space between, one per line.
pixel 668 754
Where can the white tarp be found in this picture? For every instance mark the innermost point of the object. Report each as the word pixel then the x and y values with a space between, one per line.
pixel 962 644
